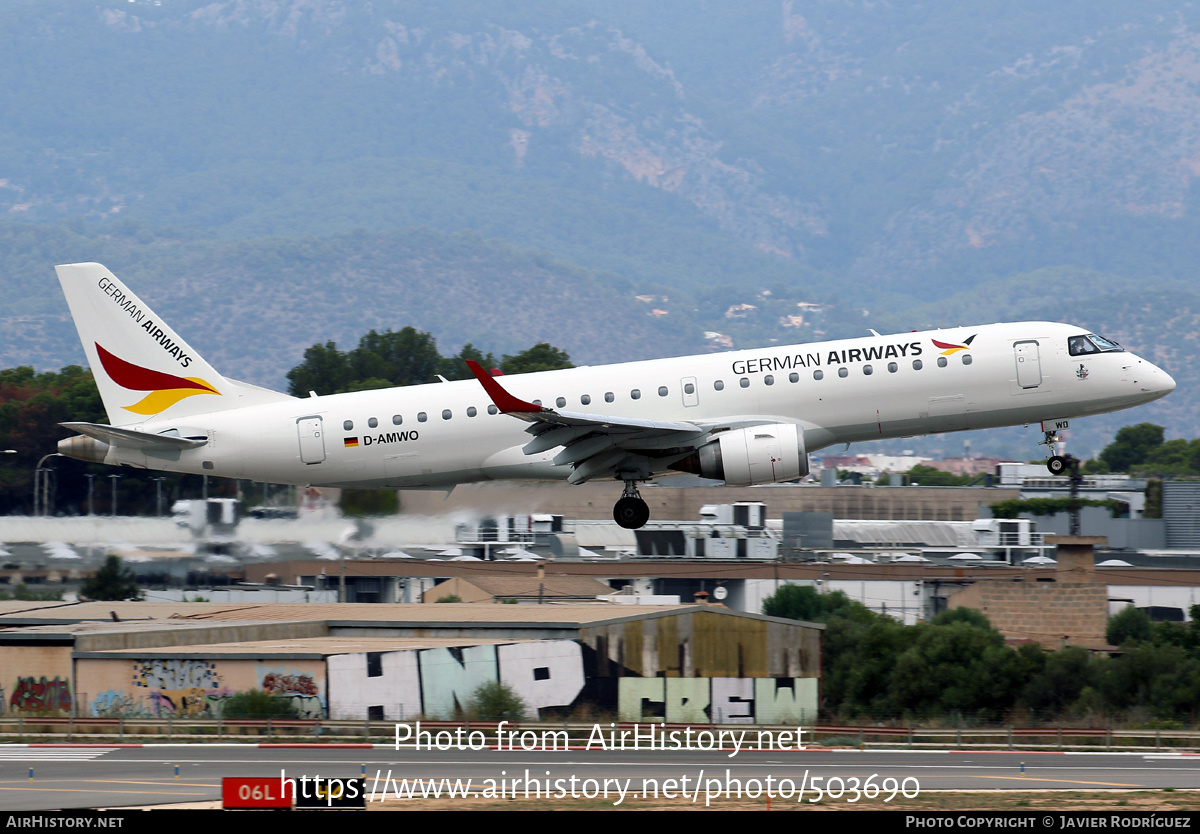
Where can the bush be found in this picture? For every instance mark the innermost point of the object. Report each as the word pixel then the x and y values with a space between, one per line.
pixel 255 703
pixel 495 701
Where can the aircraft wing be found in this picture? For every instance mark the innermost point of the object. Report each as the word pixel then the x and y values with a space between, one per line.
pixel 595 444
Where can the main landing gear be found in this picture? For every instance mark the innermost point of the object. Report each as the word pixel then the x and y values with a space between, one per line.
pixel 631 512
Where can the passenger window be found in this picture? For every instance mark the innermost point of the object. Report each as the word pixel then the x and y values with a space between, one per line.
pixel 397 419
pixel 868 370
pixel 942 362
pixel 768 380
pixel 372 422
pixel 662 390
pixel 471 412
pixel 493 410
pixel 348 425
pixel 561 402
pixel 689 389
pixel 893 367
pixel 793 377
pixel 843 372
pixel 537 403
pixel 744 382
pixel 917 365
pixel 608 397
pixel 818 374
pixel 586 399
pixel 967 359
pixel 719 385
pixel 446 415
pixel 422 416
pixel 635 394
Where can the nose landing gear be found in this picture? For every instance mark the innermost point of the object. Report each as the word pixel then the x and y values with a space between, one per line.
pixel 1057 464
pixel 631 512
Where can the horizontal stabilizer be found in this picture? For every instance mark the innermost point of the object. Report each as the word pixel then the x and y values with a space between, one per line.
pixel 135 439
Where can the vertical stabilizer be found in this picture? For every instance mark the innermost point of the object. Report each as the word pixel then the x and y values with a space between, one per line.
pixel 143 369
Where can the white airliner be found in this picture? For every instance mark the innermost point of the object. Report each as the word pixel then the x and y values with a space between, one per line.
pixel 745 417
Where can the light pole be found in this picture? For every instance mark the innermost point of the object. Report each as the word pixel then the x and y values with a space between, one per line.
pixel 158 482
pixel 39 481
pixel 114 478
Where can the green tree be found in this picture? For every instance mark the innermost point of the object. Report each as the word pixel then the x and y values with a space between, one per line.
pixel 402 357
pixel 804 602
pixel 325 370
pixel 541 357
pixel 1128 625
pixel 111 582
pixel 928 476
pixel 455 367
pixel 495 701
pixel 1132 446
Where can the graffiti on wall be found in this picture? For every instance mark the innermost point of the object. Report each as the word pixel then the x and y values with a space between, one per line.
pixel 723 700
pixel 41 695
pixel 183 688
pixel 298 687
pixel 116 703
pixel 438 683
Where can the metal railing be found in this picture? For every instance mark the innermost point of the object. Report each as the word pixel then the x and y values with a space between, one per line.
pixel 577 734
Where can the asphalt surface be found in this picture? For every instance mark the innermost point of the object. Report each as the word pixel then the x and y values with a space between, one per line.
pixel 72 777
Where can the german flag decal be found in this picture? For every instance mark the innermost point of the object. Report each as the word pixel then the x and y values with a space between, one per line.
pixel 350 442
pixel 948 348
pixel 165 389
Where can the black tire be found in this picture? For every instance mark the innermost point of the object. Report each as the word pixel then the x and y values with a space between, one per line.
pixel 631 513
pixel 1057 465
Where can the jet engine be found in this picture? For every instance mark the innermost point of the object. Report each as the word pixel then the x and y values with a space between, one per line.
pixel 766 454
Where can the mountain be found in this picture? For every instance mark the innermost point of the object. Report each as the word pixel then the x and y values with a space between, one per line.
pixel 757 172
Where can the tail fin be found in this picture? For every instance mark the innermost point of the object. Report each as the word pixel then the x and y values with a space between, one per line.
pixel 142 368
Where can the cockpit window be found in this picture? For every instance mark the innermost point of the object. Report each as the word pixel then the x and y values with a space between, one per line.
pixel 1091 343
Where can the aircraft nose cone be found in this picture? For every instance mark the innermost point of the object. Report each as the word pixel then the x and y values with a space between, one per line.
pixel 1159 383
pixel 1166 383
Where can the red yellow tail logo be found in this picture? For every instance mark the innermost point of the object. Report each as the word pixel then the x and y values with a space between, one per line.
pixel 165 389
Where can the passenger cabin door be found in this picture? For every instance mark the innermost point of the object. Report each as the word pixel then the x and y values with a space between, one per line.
pixel 312 439
pixel 1029 364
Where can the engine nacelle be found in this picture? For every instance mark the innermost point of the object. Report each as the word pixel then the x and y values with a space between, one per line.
pixel 767 454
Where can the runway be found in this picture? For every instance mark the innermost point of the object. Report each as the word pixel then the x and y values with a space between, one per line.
pixel 66 777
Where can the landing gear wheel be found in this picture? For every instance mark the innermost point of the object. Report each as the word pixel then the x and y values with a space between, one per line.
pixel 631 512
pixel 1057 464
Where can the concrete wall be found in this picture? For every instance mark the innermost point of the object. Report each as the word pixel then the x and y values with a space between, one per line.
pixel 1046 612
pixel 36 680
pixel 193 687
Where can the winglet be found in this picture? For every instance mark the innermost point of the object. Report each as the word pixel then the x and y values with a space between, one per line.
pixel 504 401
